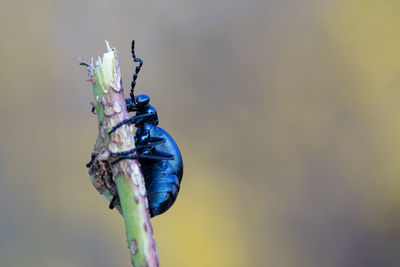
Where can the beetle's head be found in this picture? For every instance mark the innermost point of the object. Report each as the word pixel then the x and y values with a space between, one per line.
pixel 142 102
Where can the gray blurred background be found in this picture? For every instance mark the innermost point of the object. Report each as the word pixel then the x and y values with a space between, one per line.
pixel 286 113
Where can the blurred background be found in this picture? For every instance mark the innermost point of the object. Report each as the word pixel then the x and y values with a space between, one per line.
pixel 285 111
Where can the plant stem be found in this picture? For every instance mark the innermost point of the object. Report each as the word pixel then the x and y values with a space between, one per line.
pixel 133 205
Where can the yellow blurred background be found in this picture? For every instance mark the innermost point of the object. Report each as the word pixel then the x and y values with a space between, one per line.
pixel 286 113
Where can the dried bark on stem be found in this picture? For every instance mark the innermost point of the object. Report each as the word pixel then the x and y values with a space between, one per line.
pixel 127 175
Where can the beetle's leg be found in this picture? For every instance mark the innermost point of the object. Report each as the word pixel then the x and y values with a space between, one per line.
pixel 156 155
pixel 88 165
pixel 124 157
pixel 152 141
pixel 140 146
pixel 155 141
pixel 133 120
pixel 124 153
pixel 112 202
pixel 112 188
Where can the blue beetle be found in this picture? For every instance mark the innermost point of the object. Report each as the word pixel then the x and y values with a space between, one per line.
pixel 157 152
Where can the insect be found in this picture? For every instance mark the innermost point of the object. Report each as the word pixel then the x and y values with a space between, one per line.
pixel 157 152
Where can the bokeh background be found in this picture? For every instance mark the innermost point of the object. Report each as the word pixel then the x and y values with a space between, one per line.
pixel 286 113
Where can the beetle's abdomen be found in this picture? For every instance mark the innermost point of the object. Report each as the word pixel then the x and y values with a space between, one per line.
pixel 169 146
pixel 162 185
pixel 162 177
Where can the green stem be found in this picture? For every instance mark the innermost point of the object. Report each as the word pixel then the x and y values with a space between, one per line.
pixel 111 109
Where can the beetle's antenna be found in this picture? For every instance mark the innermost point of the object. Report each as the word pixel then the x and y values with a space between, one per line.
pixel 135 75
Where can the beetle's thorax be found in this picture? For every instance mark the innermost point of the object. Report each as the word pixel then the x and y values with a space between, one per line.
pixel 150 110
